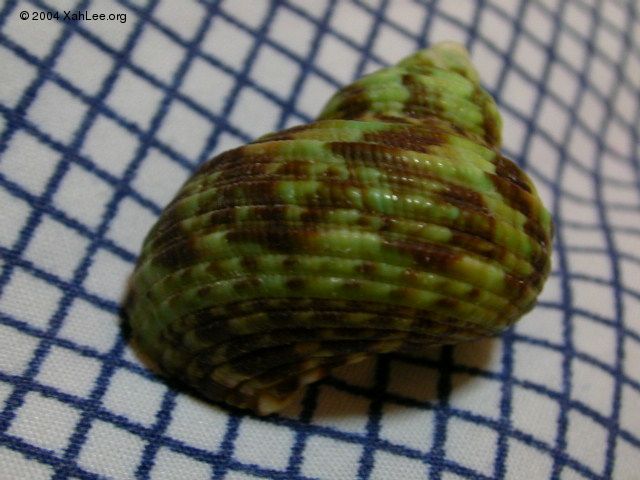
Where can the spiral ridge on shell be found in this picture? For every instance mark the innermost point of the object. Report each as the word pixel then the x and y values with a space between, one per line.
pixel 391 223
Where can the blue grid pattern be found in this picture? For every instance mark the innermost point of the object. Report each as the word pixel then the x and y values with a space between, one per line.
pixel 572 122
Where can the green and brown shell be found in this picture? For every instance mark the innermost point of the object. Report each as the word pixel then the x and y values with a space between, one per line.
pixel 392 223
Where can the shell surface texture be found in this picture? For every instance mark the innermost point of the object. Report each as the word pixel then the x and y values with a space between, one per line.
pixel 392 223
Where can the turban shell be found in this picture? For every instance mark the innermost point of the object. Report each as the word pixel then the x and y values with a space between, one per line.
pixel 392 223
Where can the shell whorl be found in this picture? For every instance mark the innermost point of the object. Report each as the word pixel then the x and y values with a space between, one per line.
pixel 392 223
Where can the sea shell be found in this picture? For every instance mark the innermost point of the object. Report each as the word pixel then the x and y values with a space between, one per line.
pixel 392 223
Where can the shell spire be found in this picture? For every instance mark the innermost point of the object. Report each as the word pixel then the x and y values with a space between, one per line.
pixel 392 223
pixel 439 82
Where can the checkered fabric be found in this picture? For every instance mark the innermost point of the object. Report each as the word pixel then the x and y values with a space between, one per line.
pixel 100 123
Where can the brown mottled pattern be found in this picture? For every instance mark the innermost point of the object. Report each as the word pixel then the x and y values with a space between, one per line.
pixel 215 326
pixel 391 225
pixel 490 127
pixel 354 102
pixel 422 102
pixel 387 225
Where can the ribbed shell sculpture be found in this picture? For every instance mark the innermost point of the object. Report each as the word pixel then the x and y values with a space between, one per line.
pixel 390 224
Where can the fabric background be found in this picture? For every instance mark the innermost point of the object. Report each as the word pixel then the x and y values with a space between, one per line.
pixel 101 121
